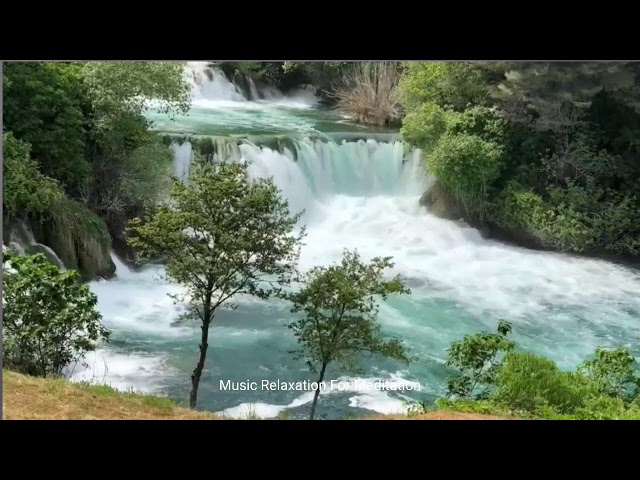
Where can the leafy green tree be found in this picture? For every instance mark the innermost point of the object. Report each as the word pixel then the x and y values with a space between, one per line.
pixel 539 90
pixel 45 104
pixel 614 373
pixel 477 359
pixel 340 310
pixel 25 189
pixel 466 164
pixel 221 235
pixel 118 88
pixel 50 319
pixel 453 84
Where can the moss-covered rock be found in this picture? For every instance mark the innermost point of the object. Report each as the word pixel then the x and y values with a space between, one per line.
pixel 442 204
pixel 80 238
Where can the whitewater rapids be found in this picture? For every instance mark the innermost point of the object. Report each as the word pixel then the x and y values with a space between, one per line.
pixel 364 195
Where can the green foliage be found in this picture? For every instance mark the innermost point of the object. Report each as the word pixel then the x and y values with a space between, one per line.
pixel 118 88
pixel 573 218
pixel 607 408
pixel 221 235
pixel 480 121
pixel 323 75
pixel 145 178
pixel 482 407
pixel 447 84
pixel 223 230
pixel 464 150
pixel 339 307
pixel 80 238
pixel 339 304
pixel 529 386
pixel 466 165
pixel 477 359
pixel 533 91
pixel 613 371
pixel 557 151
pixel 424 126
pixel 44 104
pixel 25 189
pixel 528 382
pixel 49 318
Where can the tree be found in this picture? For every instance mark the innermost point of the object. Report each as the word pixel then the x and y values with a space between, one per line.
pixel 221 235
pixel 476 359
pixel 25 189
pixel 613 372
pixel 339 308
pixel 49 317
pixel 118 88
pixel 448 84
pixel 44 104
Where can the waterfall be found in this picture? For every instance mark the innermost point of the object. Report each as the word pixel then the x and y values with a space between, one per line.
pixel 316 169
pixel 210 88
pixel 22 242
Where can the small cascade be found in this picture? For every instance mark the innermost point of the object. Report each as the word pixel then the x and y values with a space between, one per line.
pixel 22 242
pixel 211 88
pixel 123 272
pixel 182 156
pixel 210 83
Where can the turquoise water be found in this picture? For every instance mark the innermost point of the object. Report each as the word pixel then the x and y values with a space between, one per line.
pixel 360 195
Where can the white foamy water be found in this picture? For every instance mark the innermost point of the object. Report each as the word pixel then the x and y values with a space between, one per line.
pixel 368 396
pixel 127 371
pixel 211 89
pixel 364 195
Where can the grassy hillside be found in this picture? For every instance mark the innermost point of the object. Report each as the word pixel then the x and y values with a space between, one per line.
pixel 30 398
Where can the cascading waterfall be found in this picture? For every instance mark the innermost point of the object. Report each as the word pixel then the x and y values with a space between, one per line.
pixel 210 83
pixel 22 241
pixel 210 88
pixel 364 195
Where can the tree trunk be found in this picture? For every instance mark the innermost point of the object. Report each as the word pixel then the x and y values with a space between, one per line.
pixel 317 394
pixel 197 372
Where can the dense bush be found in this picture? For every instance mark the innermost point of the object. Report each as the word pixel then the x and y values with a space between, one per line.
pixel 453 84
pixel 25 189
pixel 368 93
pixel 491 377
pixel 45 105
pixel 530 383
pixel 49 318
pixel 613 371
pixel 567 175
pixel 477 361
pixel 465 164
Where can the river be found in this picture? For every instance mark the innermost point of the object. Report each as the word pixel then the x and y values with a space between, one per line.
pixel 357 193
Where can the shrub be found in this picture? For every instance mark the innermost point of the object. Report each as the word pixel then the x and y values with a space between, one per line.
pixel 49 318
pixel 424 126
pixel 571 219
pixel 25 189
pixel 613 372
pixel 368 93
pixel 528 382
pixel 466 165
pixel 607 408
pixel 476 357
